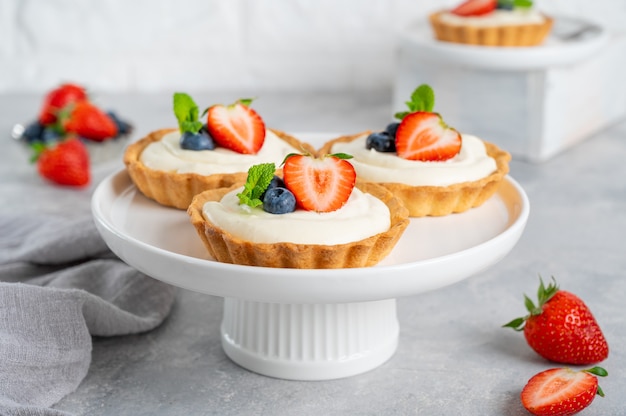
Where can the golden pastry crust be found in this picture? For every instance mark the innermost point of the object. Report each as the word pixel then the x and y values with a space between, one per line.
pixel 227 248
pixel 424 201
pixel 505 35
pixel 178 189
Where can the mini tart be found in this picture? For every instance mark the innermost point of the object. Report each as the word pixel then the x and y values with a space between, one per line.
pixel 504 35
pixel 178 189
pixel 422 201
pixel 227 248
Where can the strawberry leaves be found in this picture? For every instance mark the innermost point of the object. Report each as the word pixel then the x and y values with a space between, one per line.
pixel 187 113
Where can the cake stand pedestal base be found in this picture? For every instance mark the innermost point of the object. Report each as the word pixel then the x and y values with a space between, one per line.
pixel 309 341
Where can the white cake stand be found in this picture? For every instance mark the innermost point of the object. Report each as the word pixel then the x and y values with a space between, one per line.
pixel 309 324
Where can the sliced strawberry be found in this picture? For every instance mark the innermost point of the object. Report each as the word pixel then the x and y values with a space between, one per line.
pixel 65 163
pixel 57 99
pixel 319 184
pixel 561 391
pixel 475 7
pixel 236 127
pixel 89 121
pixel 424 136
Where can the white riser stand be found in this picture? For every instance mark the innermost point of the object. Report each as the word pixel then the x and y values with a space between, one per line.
pixel 309 341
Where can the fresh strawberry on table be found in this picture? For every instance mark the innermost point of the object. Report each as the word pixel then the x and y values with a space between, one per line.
pixel 87 120
pixel 561 328
pixel 319 184
pixel 236 126
pixel 422 134
pixel 65 162
pixel 475 7
pixel 561 391
pixel 57 99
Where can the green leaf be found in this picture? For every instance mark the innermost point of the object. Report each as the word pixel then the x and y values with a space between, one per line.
pixel 516 324
pixel 422 99
pixel 342 156
pixel 245 101
pixel 259 178
pixel 597 371
pixel 400 115
pixel 186 112
pixel 523 4
pixel 530 306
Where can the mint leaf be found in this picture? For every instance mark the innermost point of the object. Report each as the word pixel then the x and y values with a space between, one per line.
pixel 186 112
pixel 524 4
pixel 259 178
pixel 422 99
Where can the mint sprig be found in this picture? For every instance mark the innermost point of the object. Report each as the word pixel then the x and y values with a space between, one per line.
pixel 422 99
pixel 186 112
pixel 259 178
pixel 515 4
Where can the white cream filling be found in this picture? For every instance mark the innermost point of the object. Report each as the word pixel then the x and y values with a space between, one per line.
pixel 167 155
pixel 495 18
pixel 361 217
pixel 472 163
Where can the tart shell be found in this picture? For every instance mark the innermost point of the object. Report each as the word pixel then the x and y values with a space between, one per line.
pixel 424 201
pixel 178 189
pixel 227 248
pixel 505 35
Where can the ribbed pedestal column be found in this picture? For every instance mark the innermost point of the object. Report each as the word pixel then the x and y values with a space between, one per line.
pixel 309 341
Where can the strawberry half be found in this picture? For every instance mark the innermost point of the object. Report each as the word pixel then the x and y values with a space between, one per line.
pixel 561 328
pixel 561 391
pixel 65 163
pixel 89 121
pixel 475 7
pixel 58 98
pixel 424 136
pixel 319 184
pixel 236 127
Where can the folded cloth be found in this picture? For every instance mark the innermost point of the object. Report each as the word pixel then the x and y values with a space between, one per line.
pixel 59 285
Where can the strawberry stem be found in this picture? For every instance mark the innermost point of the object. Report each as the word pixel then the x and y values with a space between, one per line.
pixel 597 371
pixel 600 372
pixel 544 294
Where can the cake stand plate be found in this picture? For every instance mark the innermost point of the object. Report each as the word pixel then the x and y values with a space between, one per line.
pixel 309 324
pixel 570 41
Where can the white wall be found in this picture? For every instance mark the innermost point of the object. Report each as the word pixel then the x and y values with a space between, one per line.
pixel 161 45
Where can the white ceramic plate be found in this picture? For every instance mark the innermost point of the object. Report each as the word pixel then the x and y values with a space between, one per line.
pixel 571 40
pixel 432 253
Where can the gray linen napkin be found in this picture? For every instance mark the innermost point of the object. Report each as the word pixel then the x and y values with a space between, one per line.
pixel 59 285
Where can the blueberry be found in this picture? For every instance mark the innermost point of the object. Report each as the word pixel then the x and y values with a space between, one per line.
pixel 123 127
pixel 276 182
pixel 392 128
pixel 279 200
pixel 381 142
pixel 196 141
pixel 32 132
pixel 49 135
pixel 505 5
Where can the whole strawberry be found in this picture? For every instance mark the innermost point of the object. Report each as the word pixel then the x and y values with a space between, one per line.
pixel 89 121
pixel 561 391
pixel 561 328
pixel 65 162
pixel 57 99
